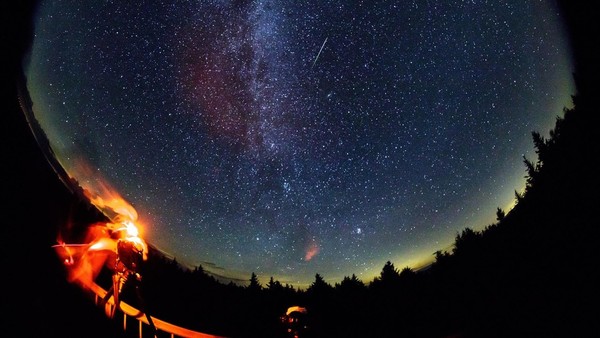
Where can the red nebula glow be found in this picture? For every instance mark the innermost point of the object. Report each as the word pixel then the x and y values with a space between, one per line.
pixel 224 108
pixel 311 251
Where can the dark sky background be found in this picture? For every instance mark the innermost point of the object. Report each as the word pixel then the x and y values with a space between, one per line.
pixel 290 138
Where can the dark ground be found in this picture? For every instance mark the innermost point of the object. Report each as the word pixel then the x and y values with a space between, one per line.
pixel 36 299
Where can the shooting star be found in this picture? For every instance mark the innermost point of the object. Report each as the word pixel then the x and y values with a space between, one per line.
pixel 320 50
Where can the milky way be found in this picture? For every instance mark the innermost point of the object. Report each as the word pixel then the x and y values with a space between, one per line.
pixel 294 138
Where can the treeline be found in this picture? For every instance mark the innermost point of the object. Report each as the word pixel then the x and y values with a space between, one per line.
pixel 529 274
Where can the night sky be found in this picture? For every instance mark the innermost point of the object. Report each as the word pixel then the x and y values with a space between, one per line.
pixel 292 138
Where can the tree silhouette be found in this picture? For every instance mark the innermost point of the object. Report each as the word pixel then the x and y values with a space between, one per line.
pixel 500 214
pixel 274 285
pixel 532 172
pixel 407 272
pixel 518 197
pixel 351 282
pixel 319 286
pixel 389 273
pixel 465 241
pixel 254 284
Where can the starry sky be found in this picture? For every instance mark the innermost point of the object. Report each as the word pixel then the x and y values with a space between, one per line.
pixel 289 138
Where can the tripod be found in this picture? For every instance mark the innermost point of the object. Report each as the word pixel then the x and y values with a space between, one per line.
pixel 128 260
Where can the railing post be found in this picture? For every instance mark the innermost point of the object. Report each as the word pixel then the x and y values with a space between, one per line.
pixel 135 314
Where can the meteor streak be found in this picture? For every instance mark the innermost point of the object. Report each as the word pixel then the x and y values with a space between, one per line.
pixel 320 50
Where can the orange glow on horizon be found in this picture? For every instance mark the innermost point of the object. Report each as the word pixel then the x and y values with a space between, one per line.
pixel 102 194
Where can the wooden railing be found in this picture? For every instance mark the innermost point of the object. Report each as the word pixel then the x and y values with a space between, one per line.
pixel 129 311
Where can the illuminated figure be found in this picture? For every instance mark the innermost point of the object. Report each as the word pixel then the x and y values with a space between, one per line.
pixel 295 322
pixel 131 253
pixel 116 246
